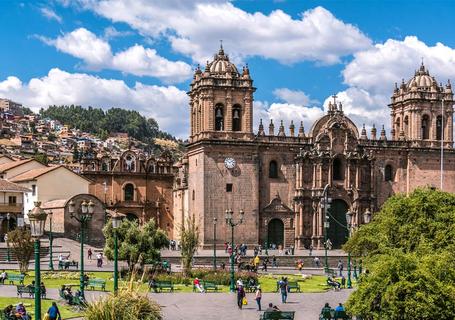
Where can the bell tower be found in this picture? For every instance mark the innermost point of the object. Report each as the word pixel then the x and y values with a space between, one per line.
pixel 221 101
pixel 422 110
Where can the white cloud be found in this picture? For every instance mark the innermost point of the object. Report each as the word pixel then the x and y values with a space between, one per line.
pixel 379 67
pixel 371 75
pixel 111 32
pixel 50 14
pixel 85 45
pixel 297 97
pixel 285 112
pixel 60 87
pixel 194 29
pixel 140 61
pixel 136 60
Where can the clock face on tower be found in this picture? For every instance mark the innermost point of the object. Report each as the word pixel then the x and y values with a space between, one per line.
pixel 229 163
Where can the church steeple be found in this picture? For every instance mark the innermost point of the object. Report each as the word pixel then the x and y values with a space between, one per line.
pixel 215 108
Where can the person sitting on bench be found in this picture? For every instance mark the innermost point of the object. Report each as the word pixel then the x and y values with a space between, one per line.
pixel 331 282
pixel 152 285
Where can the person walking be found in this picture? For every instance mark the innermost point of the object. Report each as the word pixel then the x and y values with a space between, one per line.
pixel 283 289
pixel 274 263
pixel 240 296
pixel 53 312
pixel 89 253
pixel 258 297
pixel 311 250
pixel 340 267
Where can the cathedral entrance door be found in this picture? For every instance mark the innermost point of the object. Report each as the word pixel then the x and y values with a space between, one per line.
pixel 338 232
pixel 275 232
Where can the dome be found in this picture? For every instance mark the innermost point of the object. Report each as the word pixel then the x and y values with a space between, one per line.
pixel 221 64
pixel 421 79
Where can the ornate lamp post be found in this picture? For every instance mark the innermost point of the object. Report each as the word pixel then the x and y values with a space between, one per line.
pixel 84 215
pixel 230 222
pixel 8 255
pixel 116 221
pixel 37 217
pixel 214 242
pixel 51 263
pixel 349 215
pixel 325 203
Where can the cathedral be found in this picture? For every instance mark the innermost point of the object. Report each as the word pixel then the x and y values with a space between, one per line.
pixel 278 177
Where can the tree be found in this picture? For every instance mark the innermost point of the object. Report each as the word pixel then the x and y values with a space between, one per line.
pixel 189 241
pixel 41 157
pixel 136 244
pixel 408 248
pixel 23 247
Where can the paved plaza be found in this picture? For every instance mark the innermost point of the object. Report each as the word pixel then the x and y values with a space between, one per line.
pixel 222 306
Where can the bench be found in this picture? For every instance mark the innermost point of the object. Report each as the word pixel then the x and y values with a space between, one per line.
pixel 334 285
pixel 16 277
pixel 68 264
pixel 341 315
pixel 277 315
pixel 25 289
pixel 160 285
pixel 250 288
pixel 210 286
pixel 97 283
pixel 293 285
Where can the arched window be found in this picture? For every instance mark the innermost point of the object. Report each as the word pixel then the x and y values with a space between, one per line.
pixel 337 169
pixel 439 128
pixel 236 118
pixel 219 118
pixel 388 173
pixel 397 126
pixel 273 169
pixel 129 192
pixel 425 127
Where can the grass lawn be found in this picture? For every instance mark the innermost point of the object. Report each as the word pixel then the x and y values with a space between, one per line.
pixel 66 311
pixel 268 284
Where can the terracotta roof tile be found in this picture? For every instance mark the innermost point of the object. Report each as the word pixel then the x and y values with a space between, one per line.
pixel 6 166
pixel 32 174
pixel 10 186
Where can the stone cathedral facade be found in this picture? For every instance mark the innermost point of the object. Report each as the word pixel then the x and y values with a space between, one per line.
pixel 277 176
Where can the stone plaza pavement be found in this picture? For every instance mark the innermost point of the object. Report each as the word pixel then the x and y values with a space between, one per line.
pixel 222 306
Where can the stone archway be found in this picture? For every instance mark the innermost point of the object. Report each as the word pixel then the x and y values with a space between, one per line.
pixel 275 232
pixel 338 231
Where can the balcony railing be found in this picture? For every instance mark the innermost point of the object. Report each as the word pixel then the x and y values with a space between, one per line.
pixel 11 207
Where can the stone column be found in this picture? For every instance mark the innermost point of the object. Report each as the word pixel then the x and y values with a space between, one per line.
pixel 247 118
pixel 301 175
pixel 228 114
pixel 211 115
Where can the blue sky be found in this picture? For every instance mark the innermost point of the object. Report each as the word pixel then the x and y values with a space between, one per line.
pixel 140 54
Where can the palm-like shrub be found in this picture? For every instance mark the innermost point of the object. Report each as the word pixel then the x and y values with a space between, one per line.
pixel 126 305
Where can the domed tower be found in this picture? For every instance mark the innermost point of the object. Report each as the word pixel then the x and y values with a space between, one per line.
pixel 221 101
pixel 422 110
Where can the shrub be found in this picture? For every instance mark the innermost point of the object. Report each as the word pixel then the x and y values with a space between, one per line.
pixel 221 277
pixel 126 305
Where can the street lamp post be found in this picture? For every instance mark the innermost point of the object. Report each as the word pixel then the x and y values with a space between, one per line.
pixel 8 255
pixel 83 217
pixel 116 221
pixel 326 206
pixel 214 242
pixel 51 239
pixel 230 222
pixel 37 219
pixel 349 221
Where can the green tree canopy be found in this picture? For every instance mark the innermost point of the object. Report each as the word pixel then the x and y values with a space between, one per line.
pixel 409 249
pixel 136 244
pixel 100 122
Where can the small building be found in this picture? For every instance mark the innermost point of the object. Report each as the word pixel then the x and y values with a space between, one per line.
pixel 51 183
